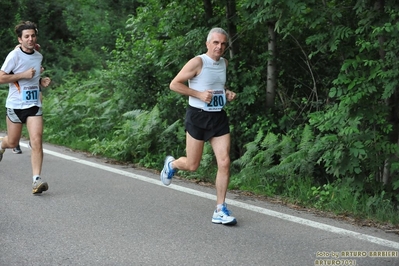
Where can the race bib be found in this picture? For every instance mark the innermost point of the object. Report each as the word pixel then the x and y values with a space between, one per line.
pixel 30 94
pixel 217 102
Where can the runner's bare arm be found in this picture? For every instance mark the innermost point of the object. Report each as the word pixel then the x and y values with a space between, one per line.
pixel 191 69
pixel 10 78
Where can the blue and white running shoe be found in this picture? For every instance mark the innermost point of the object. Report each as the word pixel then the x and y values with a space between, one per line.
pixel 167 172
pixel 223 216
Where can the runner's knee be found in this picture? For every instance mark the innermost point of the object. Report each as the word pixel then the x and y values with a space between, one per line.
pixel 224 163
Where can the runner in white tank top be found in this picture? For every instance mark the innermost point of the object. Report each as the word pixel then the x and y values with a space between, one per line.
pixel 205 118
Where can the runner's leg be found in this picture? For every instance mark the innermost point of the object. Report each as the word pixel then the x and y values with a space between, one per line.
pixel 194 150
pixel 221 148
pixel 35 129
pixel 13 135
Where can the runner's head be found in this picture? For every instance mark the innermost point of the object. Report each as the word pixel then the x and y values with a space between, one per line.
pixel 25 25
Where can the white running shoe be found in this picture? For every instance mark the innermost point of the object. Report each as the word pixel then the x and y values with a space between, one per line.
pixel 167 172
pixel 223 216
pixel 39 186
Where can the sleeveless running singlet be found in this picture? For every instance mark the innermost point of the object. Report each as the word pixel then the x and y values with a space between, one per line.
pixel 212 77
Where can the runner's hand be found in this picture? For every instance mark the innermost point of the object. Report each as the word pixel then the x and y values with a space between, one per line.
pixel 28 74
pixel 230 95
pixel 206 96
pixel 45 82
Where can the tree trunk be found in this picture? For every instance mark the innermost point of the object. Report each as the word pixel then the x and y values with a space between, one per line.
pixel 271 67
pixel 231 14
pixel 208 10
pixel 392 104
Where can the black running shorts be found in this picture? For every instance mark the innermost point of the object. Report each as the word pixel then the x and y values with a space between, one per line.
pixel 20 115
pixel 203 125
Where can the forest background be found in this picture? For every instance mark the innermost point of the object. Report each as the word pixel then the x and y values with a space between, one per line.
pixel 316 121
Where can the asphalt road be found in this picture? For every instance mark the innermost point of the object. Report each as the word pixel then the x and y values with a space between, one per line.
pixel 96 213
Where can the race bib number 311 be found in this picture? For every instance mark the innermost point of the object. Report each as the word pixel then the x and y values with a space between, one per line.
pixel 30 94
pixel 217 102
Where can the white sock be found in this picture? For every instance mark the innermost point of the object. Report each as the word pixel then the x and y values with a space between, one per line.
pixel 36 177
pixel 219 207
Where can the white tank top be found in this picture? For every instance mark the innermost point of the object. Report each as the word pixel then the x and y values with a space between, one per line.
pixel 23 93
pixel 212 77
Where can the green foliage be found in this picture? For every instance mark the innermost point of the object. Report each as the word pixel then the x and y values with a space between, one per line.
pixel 139 139
pixel 281 156
pixel 76 110
pixel 71 33
pixel 346 196
pixel 88 117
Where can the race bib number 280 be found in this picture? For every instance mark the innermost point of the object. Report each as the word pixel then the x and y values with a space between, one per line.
pixel 30 94
pixel 217 102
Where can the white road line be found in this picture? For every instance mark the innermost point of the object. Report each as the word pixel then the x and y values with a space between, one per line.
pixel 290 218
